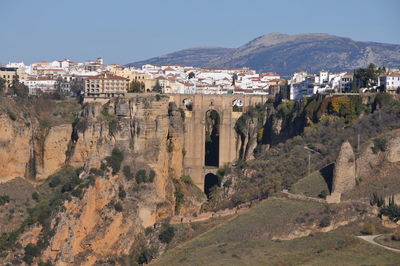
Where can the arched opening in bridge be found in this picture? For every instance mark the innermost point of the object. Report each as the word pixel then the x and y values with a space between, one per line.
pixel 212 122
pixel 237 105
pixel 188 103
pixel 210 182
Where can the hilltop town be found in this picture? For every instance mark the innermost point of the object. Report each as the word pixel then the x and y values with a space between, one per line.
pixel 94 79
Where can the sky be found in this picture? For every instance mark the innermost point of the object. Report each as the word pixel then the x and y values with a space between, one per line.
pixel 124 31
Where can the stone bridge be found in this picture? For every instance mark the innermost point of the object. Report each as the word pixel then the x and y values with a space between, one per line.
pixel 223 143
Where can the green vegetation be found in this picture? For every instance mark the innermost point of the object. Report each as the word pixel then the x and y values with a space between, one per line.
pixel 127 172
pixel 167 233
pixel 96 172
pixel 136 86
pixel 245 240
pixel 312 185
pixel 58 188
pixel 142 177
pixel 179 199
pixel 4 199
pixel 380 144
pixel 157 87
pixel 319 123
pixel 182 112
pixel 368 229
pixel 366 77
pixel 35 196
pixel 121 193
pixel 114 161
pixel 118 207
pixel 377 200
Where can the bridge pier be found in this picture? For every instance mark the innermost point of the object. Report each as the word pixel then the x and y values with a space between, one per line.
pixel 194 161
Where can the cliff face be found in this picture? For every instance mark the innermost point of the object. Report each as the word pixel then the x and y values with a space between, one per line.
pixel 15 148
pixel 148 131
pixel 26 150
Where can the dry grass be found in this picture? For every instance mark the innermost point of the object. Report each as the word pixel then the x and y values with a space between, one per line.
pixel 244 241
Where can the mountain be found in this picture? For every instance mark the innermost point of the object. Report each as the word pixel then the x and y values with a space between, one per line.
pixel 286 54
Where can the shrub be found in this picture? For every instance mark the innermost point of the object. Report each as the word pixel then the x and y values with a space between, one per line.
pixel 187 179
pixel 35 196
pixel 167 234
pixel 380 144
pixel 118 207
pixel 182 114
pixel 113 126
pixel 96 171
pixel 396 235
pixel 78 192
pixel 325 222
pixel 31 251
pixel 4 199
pixel 392 211
pixel 179 199
pixel 377 200
pixel 152 175
pixel 127 172
pixel 11 115
pixel 368 229
pixel 141 176
pixel 148 230
pixel 170 148
pixel 115 160
pixel 146 256
pixel 121 193
pixel 323 194
pixel 55 181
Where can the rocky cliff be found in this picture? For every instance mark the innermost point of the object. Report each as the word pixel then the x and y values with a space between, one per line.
pixel 108 217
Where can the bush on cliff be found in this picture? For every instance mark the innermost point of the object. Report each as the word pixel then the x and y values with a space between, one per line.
pixel 167 234
pixel 114 161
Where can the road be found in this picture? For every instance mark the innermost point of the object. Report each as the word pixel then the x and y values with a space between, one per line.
pixel 371 239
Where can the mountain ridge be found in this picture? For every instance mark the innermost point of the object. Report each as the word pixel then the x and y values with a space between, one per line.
pixel 285 54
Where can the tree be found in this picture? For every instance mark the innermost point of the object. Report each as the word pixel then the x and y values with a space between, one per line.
pixel 157 87
pixel 234 78
pixel 136 86
pixel 367 77
pixel 191 75
pixel 18 88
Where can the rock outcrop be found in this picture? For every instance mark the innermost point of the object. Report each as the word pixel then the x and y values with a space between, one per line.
pixel 148 130
pixel 344 178
pixel 393 153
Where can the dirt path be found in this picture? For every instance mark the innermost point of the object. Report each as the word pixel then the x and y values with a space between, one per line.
pixel 371 239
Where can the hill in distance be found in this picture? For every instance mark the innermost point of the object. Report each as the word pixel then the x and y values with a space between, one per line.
pixel 285 54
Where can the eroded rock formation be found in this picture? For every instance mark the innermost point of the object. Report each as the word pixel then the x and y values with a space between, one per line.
pixel 344 178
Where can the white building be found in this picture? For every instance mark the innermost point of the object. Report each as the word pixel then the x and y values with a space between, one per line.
pixel 38 85
pixel 390 81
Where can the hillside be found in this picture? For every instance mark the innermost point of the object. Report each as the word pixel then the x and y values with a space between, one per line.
pixel 247 240
pixel 286 54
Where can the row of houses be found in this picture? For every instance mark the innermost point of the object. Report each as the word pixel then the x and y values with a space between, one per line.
pixel 93 79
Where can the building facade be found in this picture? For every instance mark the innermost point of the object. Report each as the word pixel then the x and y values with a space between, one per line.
pixel 105 85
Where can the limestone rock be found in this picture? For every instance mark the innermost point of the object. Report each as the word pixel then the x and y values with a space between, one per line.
pixel 393 153
pixel 344 178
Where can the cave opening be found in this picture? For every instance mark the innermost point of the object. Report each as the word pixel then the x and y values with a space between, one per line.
pixel 210 181
pixel 212 122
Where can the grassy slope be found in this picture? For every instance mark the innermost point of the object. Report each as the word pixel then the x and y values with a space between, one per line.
pixel 311 185
pixel 244 241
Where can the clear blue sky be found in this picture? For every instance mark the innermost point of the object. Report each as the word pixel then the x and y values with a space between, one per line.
pixel 124 31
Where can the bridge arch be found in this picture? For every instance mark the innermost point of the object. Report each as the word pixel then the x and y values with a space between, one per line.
pixel 212 124
pixel 210 182
pixel 188 103
pixel 237 105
